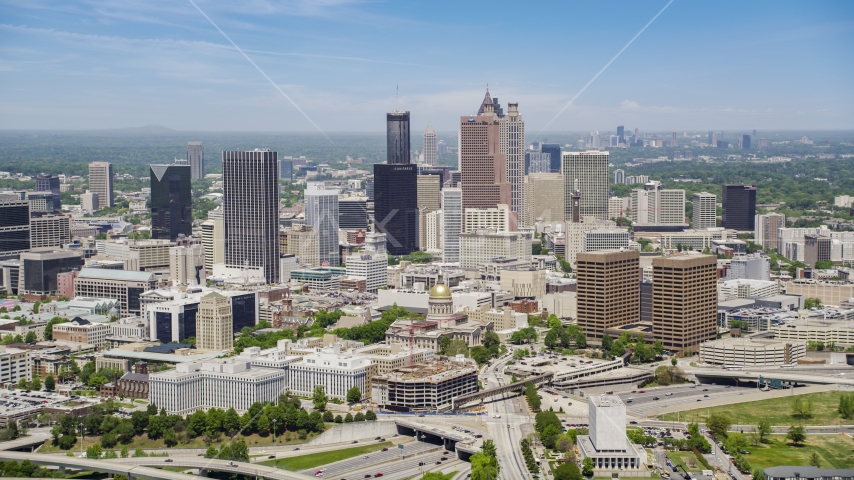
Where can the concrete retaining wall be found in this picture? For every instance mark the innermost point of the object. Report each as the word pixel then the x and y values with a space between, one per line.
pixel 348 432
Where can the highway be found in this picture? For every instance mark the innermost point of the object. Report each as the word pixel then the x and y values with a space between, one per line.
pixel 371 461
pixel 506 439
pixel 691 398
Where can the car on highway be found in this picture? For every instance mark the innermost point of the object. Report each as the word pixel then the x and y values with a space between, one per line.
pixel 668 394
pixel 378 475
pixel 656 398
pixel 443 458
pixel 272 456
pixel 705 389
pixel 168 460
pixel 367 475
pixel 318 473
pixel 384 450
pixel 296 449
pixel 707 396
pixel 641 391
pixel 438 462
pixel 565 396
pixel 631 398
pixel 364 457
pixel 354 441
pixel 444 453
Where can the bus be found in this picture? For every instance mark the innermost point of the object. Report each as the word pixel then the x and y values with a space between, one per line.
pixel 734 367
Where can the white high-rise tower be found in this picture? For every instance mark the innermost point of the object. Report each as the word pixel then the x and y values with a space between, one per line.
pixel 321 212
pixel 452 223
pixel 431 152
pixel 512 145
pixel 587 172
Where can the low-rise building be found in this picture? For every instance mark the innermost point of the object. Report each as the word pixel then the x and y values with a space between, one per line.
pixel 221 383
pixel 333 368
pixel 427 386
pixel 82 331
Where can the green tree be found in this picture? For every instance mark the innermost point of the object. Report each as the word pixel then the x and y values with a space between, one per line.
pixel 319 398
pixel 673 361
pixel 567 471
pixel 354 395
pixel 796 434
pixel 846 405
pixel 170 438
pixel 370 416
pixel 36 384
pixel 124 453
pixel 94 452
pixel 31 337
pixel 458 346
pixel 348 418
pixel 444 343
pixel 359 417
pixel 231 422
pixel 719 425
pixel 812 302
pixel 49 383
pixel 815 460
pixel 607 341
pixel 823 265
pixel 338 419
pixel 802 407
pixel 328 416
pixel 587 467
pixel 263 424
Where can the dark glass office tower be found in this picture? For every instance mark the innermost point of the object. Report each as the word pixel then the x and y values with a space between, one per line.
pixel 739 207
pixel 49 183
pixel 621 134
pixel 745 142
pixel 251 210
pixel 553 149
pixel 397 138
pixel 395 206
pixel 15 225
pixel 171 201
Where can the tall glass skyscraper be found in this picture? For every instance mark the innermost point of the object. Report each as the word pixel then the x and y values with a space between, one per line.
pixel 171 201
pixel 395 189
pixel 321 212
pixel 49 183
pixel 553 149
pixel 251 210
pixel 397 138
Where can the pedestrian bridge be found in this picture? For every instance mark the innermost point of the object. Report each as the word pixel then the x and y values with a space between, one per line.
pixel 458 402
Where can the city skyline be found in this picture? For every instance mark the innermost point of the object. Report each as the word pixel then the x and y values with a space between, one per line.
pixel 116 65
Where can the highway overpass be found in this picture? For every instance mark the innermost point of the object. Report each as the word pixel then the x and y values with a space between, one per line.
pixel 785 375
pixel 135 468
pixel 458 402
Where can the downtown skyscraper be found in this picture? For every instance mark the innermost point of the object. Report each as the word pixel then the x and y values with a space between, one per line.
pixel 586 172
pixel 251 210
pixel 196 159
pixel 395 189
pixel 321 212
pixel 512 145
pixel 483 168
pixel 171 201
pixel 101 182
pixel 431 151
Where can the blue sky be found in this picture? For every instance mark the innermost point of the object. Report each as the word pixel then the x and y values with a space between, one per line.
pixel 700 66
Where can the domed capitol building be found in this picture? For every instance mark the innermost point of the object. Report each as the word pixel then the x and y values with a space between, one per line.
pixel 441 321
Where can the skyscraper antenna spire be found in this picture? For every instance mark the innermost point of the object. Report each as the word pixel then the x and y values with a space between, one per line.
pixel 396 96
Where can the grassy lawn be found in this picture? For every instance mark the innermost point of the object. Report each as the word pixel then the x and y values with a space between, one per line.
pixel 777 410
pixel 686 459
pixel 836 451
pixel 146 443
pixel 323 458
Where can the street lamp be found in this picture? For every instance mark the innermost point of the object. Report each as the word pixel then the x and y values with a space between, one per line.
pixel 82 437
pixel 274 433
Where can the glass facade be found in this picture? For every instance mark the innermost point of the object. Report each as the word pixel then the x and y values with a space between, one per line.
pixel 395 206
pixel 243 311
pixel 171 201
pixel 553 149
pixel 15 225
pixel 40 275
pixel 397 138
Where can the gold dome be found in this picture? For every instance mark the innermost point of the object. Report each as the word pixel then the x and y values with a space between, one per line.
pixel 440 290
